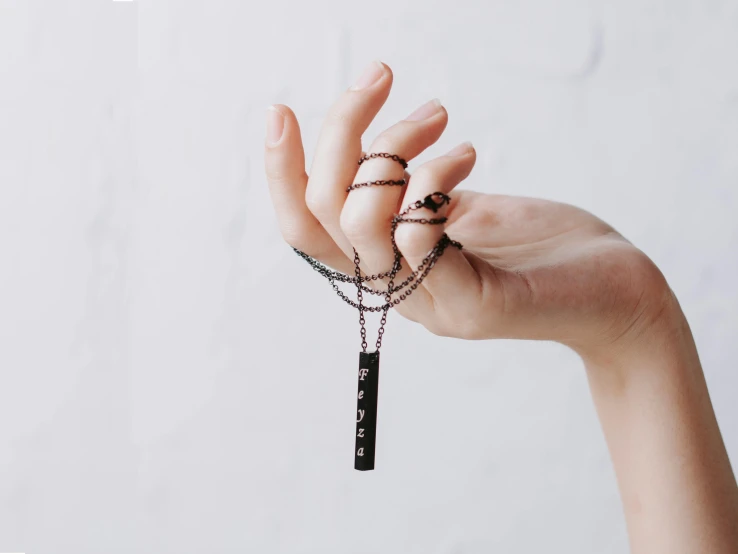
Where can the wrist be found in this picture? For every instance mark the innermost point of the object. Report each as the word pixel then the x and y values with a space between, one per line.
pixel 674 475
pixel 659 334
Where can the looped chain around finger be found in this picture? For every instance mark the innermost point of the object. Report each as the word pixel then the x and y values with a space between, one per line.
pixel 393 157
pixel 388 182
pixel 434 202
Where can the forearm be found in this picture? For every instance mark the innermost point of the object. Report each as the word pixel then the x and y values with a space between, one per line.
pixel 677 487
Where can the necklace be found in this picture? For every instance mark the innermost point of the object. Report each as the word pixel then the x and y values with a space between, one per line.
pixel 366 403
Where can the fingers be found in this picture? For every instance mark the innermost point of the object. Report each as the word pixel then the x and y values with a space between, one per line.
pixel 318 216
pixel 366 218
pixel 284 160
pixel 451 276
pixel 339 149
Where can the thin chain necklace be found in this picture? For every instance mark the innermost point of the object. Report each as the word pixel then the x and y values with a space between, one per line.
pixel 366 409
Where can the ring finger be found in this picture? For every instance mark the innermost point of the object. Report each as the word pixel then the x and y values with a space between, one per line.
pixel 366 218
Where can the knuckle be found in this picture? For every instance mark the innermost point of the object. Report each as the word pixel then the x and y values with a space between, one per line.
pixel 276 174
pixel 308 237
pixel 425 173
pixel 404 237
pixel 385 142
pixel 359 226
pixel 412 240
pixel 318 203
pixel 296 237
pixel 340 117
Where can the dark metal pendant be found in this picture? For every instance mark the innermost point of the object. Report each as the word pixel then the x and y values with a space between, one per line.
pixel 366 411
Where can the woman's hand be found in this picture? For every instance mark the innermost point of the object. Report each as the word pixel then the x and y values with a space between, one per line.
pixel 529 268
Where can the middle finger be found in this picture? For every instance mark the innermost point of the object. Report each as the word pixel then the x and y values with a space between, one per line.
pixel 339 149
pixel 367 214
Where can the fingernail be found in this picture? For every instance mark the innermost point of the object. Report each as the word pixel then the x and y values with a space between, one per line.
pixel 461 149
pixel 425 111
pixel 370 76
pixel 275 125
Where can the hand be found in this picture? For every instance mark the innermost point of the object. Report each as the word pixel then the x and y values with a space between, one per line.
pixel 529 268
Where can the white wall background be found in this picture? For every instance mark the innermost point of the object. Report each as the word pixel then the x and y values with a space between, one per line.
pixel 173 379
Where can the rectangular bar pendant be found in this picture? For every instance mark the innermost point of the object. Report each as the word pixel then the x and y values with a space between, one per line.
pixel 366 411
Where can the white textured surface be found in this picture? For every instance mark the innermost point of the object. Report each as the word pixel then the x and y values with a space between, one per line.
pixel 174 380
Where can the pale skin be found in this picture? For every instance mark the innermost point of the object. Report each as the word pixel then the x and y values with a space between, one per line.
pixel 529 269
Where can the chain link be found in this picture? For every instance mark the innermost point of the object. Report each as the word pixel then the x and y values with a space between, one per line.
pixel 393 157
pixel 390 182
pixel 433 202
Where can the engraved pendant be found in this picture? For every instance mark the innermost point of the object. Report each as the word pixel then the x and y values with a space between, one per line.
pixel 366 411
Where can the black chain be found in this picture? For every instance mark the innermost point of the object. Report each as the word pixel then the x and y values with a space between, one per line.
pixel 390 182
pixel 360 298
pixel 393 157
pixel 433 202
